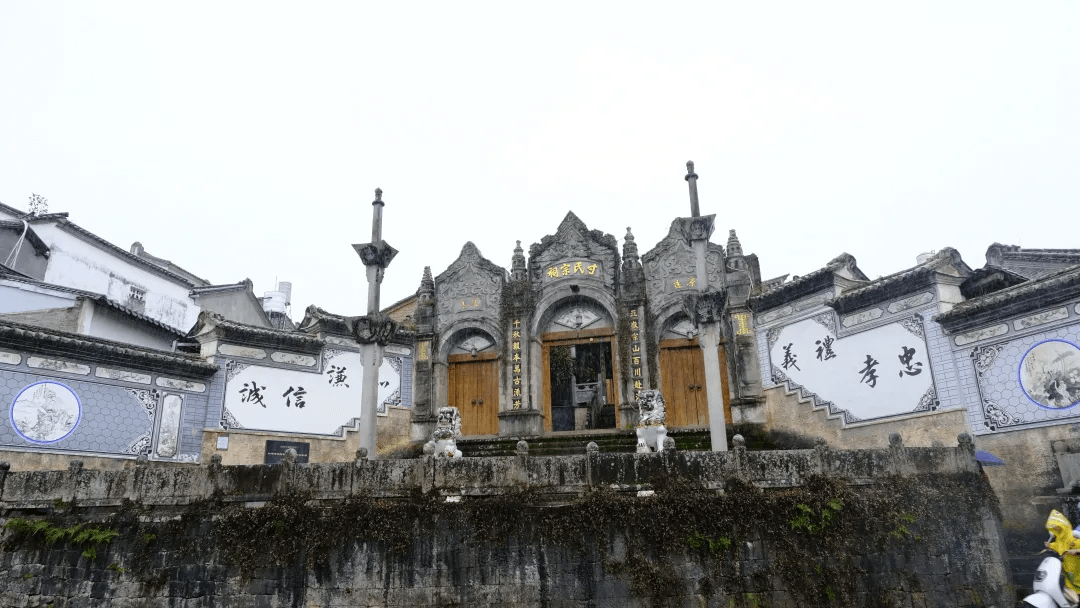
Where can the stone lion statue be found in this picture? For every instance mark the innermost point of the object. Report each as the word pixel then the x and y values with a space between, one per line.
pixel 651 431
pixel 444 439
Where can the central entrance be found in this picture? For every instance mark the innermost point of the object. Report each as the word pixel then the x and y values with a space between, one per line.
pixel 579 383
pixel 578 358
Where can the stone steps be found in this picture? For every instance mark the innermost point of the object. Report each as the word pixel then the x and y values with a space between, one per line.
pixel 612 442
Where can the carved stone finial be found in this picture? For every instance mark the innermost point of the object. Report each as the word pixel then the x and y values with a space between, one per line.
pixel 362 454
pixel 378 197
pixel 523 448
pixel 592 448
pixel 518 271
pixel 690 170
pixel 426 293
pixel 629 248
pixel 738 442
pixel 895 440
pixel 734 247
pixel 142 460
pixel 5 466
pixel 669 444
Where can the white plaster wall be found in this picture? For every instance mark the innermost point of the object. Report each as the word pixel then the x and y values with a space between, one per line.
pixel 76 263
pixel 14 299
pixel 111 325
pixel 327 406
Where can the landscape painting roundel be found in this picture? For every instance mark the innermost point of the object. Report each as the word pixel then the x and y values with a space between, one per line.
pixel 45 412
pixel 1050 374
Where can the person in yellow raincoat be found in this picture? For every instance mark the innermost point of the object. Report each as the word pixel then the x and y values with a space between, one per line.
pixel 1067 546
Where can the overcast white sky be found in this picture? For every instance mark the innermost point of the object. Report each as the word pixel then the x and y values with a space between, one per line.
pixel 246 139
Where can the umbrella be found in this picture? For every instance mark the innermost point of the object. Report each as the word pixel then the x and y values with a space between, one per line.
pixel 988 460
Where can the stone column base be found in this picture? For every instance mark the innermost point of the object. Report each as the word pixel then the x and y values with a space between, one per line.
pixel 422 427
pixel 521 423
pixel 748 411
pixel 628 416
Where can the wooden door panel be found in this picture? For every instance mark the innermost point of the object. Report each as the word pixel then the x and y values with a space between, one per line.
pixel 469 383
pixel 683 373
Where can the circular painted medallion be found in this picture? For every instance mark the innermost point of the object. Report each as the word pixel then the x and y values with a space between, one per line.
pixel 1050 374
pixel 45 412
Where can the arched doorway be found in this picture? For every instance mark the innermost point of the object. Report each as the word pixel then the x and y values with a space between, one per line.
pixel 682 375
pixel 578 361
pixel 473 382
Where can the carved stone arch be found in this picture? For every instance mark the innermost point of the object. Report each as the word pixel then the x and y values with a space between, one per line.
pixel 449 336
pixel 550 302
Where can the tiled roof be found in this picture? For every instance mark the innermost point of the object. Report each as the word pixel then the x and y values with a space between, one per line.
pixel 39 245
pixel 84 348
pixel 242 333
pixel 1031 263
pixel 807 284
pixel 1059 287
pixel 899 283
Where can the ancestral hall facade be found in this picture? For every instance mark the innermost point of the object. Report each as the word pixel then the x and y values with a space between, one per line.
pixel 566 338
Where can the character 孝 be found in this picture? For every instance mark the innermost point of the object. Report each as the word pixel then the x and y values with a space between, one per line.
pixel 869 373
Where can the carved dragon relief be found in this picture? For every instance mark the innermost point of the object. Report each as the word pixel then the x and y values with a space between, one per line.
pixel 471 283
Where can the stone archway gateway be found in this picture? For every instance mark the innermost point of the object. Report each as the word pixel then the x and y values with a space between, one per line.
pixel 473 382
pixel 579 363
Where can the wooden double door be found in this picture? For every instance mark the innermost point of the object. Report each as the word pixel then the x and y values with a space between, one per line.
pixel 682 371
pixel 474 390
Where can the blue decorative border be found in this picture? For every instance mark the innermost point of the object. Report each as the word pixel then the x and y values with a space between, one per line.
pixel 15 427
pixel 1020 380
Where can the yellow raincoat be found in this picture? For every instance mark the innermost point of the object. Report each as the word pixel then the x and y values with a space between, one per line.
pixel 1067 546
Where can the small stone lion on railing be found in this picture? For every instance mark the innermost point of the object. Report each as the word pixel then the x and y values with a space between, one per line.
pixel 444 439
pixel 651 431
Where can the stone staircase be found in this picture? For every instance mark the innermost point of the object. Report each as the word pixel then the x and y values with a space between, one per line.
pixel 574 442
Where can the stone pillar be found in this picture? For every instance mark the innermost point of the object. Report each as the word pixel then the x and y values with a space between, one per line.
pixel 521 415
pixel 705 311
pixel 423 413
pixel 373 330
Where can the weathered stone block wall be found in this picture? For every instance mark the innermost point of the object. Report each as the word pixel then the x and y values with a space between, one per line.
pixel 892 527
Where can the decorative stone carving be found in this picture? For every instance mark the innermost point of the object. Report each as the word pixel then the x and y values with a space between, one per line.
pixel 652 417
pixel 518 271
pixel 773 315
pixel 471 284
pixel 182 385
pixel 10 358
pixel 374 328
pixel 443 442
pixel 826 319
pixel 1041 318
pixel 293 358
pixel 574 241
pixel 242 351
pixel 982 333
pixel 912 302
pixel 914 324
pixel 704 307
pixel 58 366
pixel 120 374
pixel 376 254
pixel 862 317
pixel 673 259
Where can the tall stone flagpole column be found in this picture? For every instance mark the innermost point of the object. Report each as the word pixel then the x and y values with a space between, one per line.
pixel 374 329
pixel 705 310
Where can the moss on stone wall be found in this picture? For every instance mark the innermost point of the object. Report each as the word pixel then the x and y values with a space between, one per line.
pixel 826 542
